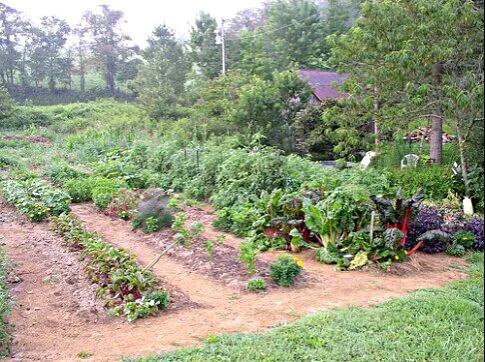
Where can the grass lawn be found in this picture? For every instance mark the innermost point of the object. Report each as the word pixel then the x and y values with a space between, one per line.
pixel 431 325
pixel 4 303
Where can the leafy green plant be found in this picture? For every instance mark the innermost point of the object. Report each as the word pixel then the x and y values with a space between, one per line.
pixel 151 225
pixel 345 209
pixel 457 250
pixel 61 172
pixel 398 212
pixel 178 225
pixel 285 270
pixel 79 190
pixel 123 204
pixel 435 241
pixel 174 204
pixel 256 284
pixel 102 196
pixel 329 255
pixel 35 198
pixel 196 230
pixel 209 246
pixel 464 238
pixel 248 256
pixel 5 303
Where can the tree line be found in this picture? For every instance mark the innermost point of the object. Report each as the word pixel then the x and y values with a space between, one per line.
pixel 281 34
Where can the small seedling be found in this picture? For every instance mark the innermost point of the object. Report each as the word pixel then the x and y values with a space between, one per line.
pixel 256 284
pixel 84 355
pixel 220 239
pixel 196 230
pixel 209 246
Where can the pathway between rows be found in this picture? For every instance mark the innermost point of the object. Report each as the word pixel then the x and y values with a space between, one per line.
pixel 207 307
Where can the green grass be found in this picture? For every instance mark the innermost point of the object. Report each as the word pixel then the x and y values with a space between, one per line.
pixel 4 303
pixel 431 325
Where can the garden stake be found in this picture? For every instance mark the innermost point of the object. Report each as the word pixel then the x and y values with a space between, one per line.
pixel 372 221
pixel 157 259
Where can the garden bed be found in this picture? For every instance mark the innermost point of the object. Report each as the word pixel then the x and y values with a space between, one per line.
pixel 224 266
pixel 211 306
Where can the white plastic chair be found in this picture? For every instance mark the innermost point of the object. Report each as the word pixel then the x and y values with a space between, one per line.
pixel 410 160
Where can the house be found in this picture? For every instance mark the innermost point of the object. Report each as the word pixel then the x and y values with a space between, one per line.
pixel 322 82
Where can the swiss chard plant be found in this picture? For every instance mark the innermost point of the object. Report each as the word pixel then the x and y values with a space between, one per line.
pixel 344 210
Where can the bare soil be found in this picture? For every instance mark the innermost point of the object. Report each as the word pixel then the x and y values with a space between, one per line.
pixel 57 316
pixel 44 141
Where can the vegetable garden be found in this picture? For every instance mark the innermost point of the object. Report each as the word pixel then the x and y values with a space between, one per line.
pixel 217 234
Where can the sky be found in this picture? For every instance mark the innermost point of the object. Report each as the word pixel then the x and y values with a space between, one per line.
pixel 142 16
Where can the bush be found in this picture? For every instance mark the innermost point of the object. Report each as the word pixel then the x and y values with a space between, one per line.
pixel 285 270
pixel 456 250
pixel 60 173
pixel 464 238
pixel 436 181
pixel 80 190
pixel 153 207
pixel 98 189
pixel 475 225
pixel 256 284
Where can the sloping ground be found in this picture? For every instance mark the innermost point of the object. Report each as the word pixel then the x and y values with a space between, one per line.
pixel 53 319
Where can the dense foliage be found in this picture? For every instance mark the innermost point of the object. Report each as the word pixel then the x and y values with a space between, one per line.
pixel 35 198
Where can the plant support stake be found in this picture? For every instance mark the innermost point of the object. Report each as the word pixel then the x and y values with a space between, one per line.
pixel 157 259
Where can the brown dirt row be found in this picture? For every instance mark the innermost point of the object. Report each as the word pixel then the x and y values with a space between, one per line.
pixel 55 332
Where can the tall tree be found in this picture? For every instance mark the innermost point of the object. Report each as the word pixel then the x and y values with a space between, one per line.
pixel 52 36
pixel 205 51
pixel 294 33
pixel 398 53
pixel 162 75
pixel 81 47
pixel 108 45
pixel 11 28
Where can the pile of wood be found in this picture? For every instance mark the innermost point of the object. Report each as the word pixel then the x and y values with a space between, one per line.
pixel 417 136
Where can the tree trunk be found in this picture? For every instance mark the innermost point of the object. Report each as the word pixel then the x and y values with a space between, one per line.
pixel 377 128
pixel 436 146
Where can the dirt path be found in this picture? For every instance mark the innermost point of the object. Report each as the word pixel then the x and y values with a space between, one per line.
pixel 57 332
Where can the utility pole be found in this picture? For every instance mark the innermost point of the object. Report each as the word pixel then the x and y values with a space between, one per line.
pixel 223 49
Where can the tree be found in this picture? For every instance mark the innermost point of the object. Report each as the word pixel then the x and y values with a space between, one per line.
pixel 81 51
pixel 270 107
pixel 51 38
pixel 162 75
pixel 375 87
pixel 397 54
pixel 204 50
pixel 463 92
pixel 294 33
pixel 11 28
pixel 108 43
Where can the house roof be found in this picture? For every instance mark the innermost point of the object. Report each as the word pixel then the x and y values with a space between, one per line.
pixel 321 82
